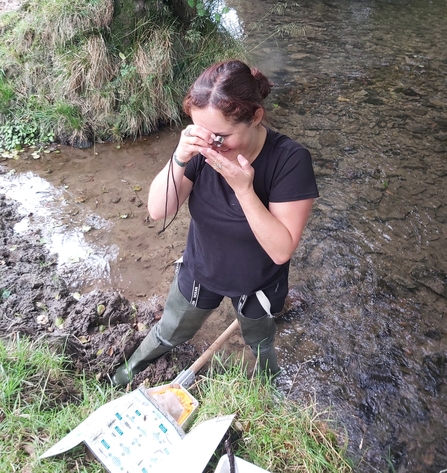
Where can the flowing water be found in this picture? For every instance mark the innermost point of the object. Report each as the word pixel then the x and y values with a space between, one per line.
pixel 362 84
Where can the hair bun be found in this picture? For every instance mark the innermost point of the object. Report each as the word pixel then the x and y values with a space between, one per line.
pixel 264 84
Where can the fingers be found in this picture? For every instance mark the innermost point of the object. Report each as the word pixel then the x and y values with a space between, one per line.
pixel 192 139
pixel 245 165
pixel 239 175
pixel 213 158
pixel 217 165
pixel 197 135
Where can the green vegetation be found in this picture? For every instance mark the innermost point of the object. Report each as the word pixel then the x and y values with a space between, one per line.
pixel 83 71
pixel 42 400
pixel 272 431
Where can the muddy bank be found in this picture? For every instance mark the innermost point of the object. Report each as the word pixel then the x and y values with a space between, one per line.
pixel 98 329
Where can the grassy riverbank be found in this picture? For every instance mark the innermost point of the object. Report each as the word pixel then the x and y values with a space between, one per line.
pixel 42 400
pixel 82 71
pixel 271 431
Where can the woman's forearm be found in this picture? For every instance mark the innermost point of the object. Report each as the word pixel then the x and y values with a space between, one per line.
pixel 170 188
pixel 278 229
pixel 168 191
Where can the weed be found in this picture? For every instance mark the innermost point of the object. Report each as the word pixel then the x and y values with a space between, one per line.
pixel 15 135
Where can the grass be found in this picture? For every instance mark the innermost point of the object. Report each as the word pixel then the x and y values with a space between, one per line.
pixel 119 73
pixel 123 72
pixel 42 400
pixel 269 430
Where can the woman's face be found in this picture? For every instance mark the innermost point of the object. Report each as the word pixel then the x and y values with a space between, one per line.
pixel 240 138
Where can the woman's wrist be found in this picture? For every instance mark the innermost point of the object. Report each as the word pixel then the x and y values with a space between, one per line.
pixel 182 164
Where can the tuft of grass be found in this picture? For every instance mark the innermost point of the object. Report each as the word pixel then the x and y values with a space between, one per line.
pixel 63 22
pixel 124 73
pixel 41 400
pixel 271 431
pixel 87 67
pixel 6 92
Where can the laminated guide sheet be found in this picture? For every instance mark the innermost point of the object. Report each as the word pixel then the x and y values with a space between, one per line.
pixel 132 434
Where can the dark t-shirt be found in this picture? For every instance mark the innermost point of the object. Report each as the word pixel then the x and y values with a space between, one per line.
pixel 222 252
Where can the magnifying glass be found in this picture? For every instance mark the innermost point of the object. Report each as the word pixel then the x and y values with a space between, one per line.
pixel 218 142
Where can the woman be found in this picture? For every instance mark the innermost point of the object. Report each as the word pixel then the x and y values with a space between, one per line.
pixel 250 193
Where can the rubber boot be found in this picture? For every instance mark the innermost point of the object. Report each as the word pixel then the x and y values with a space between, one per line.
pixel 259 334
pixel 179 323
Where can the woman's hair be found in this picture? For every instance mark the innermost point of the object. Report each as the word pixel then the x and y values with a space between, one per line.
pixel 231 87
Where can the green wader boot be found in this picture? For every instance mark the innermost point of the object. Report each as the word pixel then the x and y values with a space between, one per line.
pixel 259 334
pixel 179 323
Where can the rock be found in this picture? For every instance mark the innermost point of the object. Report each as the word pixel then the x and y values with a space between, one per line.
pixel 373 101
pixel 329 139
pixel 350 150
pixel 440 136
pixel 408 91
pixel 419 129
pixel 437 102
pixel 299 55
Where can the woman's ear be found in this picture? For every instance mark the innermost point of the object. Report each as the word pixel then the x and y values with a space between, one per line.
pixel 259 115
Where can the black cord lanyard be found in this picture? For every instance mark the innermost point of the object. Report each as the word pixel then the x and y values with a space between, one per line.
pixel 170 174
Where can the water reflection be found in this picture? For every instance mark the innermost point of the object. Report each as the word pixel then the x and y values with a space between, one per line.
pixel 227 17
pixel 63 229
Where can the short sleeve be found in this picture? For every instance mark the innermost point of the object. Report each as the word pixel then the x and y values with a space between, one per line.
pixel 294 178
pixel 194 167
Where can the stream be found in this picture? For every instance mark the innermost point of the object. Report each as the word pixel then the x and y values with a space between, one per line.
pixel 363 85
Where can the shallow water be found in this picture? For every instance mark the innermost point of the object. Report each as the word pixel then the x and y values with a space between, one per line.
pixel 362 84
pixel 63 230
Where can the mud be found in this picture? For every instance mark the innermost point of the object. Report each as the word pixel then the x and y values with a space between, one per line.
pixel 97 329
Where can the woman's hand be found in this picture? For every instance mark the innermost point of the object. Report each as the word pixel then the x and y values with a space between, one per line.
pixel 192 139
pixel 171 187
pixel 278 227
pixel 239 175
